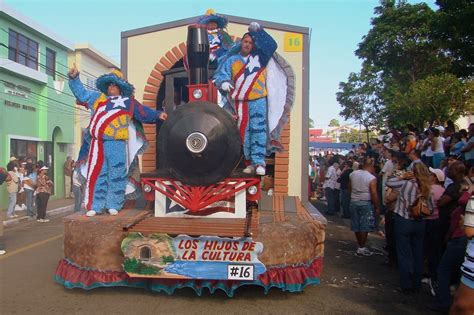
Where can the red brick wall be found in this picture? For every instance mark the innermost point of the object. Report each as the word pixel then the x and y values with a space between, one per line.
pixel 281 163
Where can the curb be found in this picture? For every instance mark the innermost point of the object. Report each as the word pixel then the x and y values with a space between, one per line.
pixel 314 212
pixel 52 212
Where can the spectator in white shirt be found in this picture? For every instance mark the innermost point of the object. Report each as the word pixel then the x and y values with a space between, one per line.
pixel 364 204
pixel 77 190
pixel 330 186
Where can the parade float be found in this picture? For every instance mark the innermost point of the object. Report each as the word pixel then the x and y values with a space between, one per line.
pixel 207 223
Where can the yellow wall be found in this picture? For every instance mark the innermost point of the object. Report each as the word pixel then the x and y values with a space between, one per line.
pixel 144 51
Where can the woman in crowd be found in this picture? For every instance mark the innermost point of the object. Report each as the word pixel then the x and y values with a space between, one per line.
pixel 456 145
pixel 43 191
pixel 77 189
pixel 13 184
pixel 432 242
pixel 453 256
pixel 29 185
pixel 437 147
pixel 409 231
pixel 21 195
pixel 400 162
pixel 344 180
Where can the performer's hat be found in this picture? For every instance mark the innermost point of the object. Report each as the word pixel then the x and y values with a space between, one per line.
pixel 44 168
pixel 115 77
pixel 211 16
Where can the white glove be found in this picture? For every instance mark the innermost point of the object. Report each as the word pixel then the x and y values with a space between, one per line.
pixel 254 26
pixel 226 86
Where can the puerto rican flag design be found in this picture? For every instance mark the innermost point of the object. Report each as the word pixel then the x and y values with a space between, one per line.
pixel 99 122
pixel 227 205
pixel 244 81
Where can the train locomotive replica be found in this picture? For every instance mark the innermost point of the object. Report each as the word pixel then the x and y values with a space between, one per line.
pixel 209 225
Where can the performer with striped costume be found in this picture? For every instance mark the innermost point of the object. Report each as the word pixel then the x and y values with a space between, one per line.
pixel 109 150
pixel 243 77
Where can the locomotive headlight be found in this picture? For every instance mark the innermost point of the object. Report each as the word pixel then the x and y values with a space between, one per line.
pixel 252 190
pixel 196 142
pixel 197 93
pixel 147 188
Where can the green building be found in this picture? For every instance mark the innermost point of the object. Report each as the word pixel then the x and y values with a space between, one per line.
pixel 36 106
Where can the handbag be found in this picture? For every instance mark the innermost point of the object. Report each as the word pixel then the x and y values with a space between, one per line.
pixel 419 209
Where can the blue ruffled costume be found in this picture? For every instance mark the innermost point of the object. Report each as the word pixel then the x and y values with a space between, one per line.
pixel 248 76
pixel 106 144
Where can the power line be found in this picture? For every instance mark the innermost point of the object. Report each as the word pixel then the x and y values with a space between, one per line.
pixel 46 68
pixel 49 87
pixel 65 66
pixel 51 99
pixel 41 105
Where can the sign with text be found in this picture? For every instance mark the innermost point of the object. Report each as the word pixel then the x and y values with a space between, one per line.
pixel 185 257
pixel 293 42
pixel 16 89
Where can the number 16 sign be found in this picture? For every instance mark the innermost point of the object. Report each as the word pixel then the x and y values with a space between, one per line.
pixel 293 42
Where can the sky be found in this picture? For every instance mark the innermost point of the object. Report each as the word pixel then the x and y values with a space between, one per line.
pixel 337 26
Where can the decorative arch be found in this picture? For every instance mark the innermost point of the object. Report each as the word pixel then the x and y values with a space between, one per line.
pixel 57 134
pixel 150 93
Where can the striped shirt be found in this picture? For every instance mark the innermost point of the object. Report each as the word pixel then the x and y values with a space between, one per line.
pixel 467 267
pixel 408 191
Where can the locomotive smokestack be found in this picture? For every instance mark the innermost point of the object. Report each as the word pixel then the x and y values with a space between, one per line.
pixel 198 54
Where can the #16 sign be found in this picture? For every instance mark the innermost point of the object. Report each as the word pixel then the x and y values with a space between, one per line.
pixel 185 257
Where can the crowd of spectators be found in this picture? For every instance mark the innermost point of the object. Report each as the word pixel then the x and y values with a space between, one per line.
pixel 413 188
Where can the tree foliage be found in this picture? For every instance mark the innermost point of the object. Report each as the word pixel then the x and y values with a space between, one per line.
pixel 434 99
pixel 399 44
pixel 415 63
pixel 360 101
pixel 354 136
pixel 334 123
pixel 453 30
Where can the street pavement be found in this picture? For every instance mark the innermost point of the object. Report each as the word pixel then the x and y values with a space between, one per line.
pixel 349 285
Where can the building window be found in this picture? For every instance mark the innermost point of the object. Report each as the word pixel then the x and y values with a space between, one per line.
pixel 50 62
pixel 24 149
pixel 23 50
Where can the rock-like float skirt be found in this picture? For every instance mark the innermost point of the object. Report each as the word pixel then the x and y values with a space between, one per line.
pixel 293 255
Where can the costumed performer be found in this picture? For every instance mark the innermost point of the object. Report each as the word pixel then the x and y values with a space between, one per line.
pixel 108 148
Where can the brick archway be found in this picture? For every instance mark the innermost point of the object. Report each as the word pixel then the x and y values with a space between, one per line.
pixel 149 99
pixel 150 94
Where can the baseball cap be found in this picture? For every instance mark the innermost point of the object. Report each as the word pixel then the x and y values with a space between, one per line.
pixel 439 173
